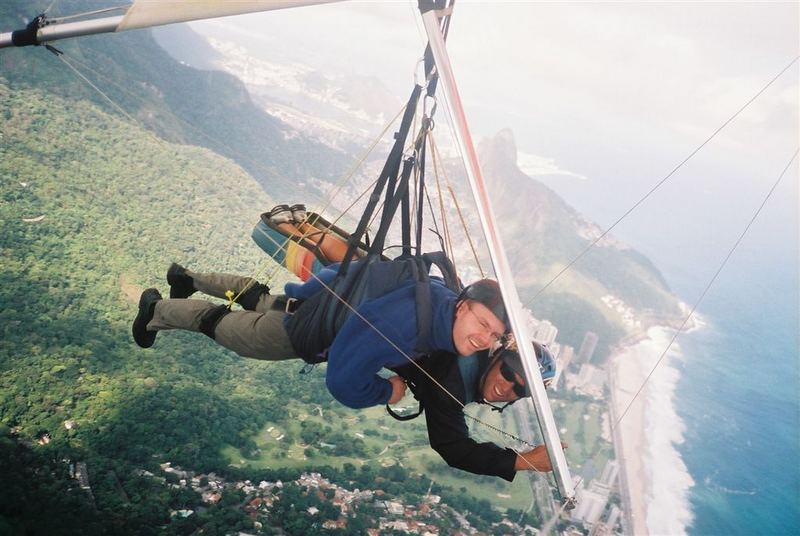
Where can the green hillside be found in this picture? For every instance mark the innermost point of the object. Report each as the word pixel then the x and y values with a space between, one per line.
pixel 93 211
pixel 545 235
pixel 117 205
pixel 179 103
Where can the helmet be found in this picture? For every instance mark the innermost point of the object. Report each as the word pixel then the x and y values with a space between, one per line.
pixel 510 357
pixel 487 293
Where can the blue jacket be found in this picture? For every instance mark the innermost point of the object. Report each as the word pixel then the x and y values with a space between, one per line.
pixel 359 352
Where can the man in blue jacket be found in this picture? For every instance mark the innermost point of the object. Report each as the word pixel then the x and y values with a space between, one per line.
pixel 382 334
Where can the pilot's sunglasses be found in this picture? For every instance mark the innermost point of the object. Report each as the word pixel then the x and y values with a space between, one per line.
pixel 508 375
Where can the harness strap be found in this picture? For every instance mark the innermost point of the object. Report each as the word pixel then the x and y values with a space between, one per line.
pixel 285 304
pixel 28 36
pixel 210 320
pixel 406 417
pixel 390 168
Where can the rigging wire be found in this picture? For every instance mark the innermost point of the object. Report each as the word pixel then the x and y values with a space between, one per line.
pixel 52 4
pixel 116 106
pixel 438 158
pixel 56 20
pixel 445 223
pixel 660 183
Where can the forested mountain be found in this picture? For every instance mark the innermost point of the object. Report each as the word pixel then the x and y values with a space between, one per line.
pixel 179 103
pixel 94 207
pixel 611 287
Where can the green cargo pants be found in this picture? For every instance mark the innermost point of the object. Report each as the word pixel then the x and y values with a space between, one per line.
pixel 258 334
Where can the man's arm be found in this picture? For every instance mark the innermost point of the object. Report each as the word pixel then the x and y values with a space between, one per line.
pixel 535 460
pixel 358 353
pixel 449 436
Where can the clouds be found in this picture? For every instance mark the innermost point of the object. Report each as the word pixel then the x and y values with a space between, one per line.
pixel 678 67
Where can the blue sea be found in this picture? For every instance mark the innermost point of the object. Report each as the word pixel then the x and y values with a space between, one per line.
pixel 724 421
pixel 738 392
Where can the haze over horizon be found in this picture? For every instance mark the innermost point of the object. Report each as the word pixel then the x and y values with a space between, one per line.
pixel 604 100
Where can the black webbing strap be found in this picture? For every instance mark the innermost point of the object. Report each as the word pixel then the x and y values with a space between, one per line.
pixel 405 222
pixel 421 186
pixel 28 36
pixel 390 169
pixel 390 208
pixel 405 417
pixel 430 5
pixel 211 318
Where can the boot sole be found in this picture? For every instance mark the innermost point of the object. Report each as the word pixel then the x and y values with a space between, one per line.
pixel 141 336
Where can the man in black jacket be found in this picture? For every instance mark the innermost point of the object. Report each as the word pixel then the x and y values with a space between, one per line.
pixel 484 378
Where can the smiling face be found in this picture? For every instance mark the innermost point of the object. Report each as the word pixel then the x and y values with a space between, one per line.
pixel 496 388
pixel 475 327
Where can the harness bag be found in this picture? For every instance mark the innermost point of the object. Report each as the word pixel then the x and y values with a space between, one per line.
pixel 313 327
pixel 295 252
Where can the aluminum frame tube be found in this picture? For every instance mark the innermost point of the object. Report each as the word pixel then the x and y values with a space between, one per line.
pixel 513 303
pixel 69 29
pixel 57 31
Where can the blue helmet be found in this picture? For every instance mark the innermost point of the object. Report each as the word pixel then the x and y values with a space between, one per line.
pixel 510 357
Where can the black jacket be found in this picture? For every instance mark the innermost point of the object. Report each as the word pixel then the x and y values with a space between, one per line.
pixel 447 428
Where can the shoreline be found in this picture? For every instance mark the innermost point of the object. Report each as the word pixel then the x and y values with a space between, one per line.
pixel 628 445
pixel 646 437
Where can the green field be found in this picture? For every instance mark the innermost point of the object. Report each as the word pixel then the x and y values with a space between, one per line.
pixel 386 442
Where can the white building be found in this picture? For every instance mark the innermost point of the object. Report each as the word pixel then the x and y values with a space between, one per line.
pixel 591 503
pixel 562 362
pixel 610 473
pixel 587 347
pixel 545 332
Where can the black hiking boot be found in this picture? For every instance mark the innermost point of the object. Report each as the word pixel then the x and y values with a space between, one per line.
pixel 147 304
pixel 180 284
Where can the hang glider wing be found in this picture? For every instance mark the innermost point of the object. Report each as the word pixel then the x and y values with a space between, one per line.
pixel 140 14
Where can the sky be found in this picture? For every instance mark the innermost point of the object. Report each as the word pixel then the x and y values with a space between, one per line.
pixel 604 100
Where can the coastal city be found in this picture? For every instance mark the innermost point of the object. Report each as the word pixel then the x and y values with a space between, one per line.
pixel 601 503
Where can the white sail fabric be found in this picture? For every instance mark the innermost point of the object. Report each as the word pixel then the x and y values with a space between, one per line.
pixel 146 13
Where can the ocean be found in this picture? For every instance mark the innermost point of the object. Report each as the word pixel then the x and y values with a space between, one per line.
pixel 737 398
pixel 724 449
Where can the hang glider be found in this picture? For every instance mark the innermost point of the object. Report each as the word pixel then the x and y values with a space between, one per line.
pixel 139 14
pixel 146 13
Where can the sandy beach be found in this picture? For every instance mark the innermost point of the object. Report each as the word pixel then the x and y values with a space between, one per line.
pixel 626 379
pixel 654 481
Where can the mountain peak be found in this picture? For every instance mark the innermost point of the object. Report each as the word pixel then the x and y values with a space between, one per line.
pixel 501 150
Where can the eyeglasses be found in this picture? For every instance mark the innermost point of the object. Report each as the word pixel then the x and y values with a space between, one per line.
pixel 508 375
pixel 485 326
